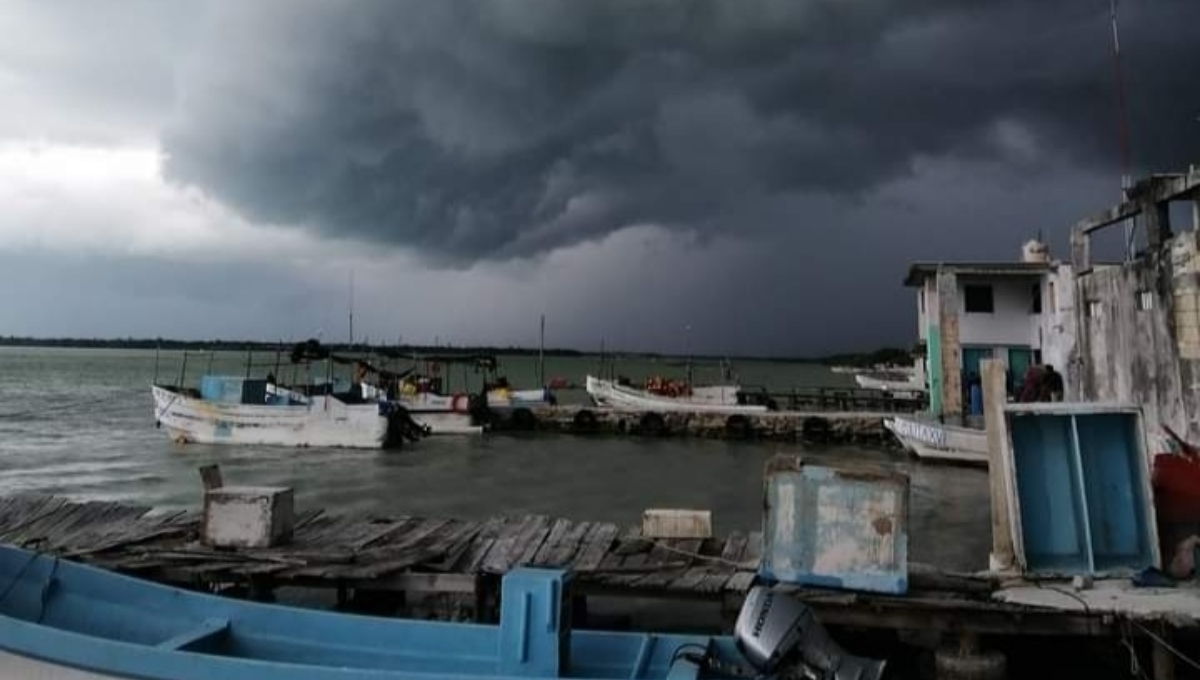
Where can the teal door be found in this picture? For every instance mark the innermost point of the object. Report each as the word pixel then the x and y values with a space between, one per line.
pixel 971 358
pixel 1019 361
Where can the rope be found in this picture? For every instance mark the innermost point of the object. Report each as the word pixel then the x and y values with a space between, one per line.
pixel 698 556
pixel 17 577
pixel 1167 645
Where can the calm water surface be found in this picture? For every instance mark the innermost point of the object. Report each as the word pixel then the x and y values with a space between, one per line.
pixel 79 423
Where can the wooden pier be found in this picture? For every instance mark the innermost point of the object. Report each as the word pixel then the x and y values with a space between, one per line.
pixel 395 560
pixel 824 427
pixel 395 553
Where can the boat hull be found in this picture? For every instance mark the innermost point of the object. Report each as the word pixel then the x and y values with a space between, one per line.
pixel 715 399
pixel 935 441
pixel 64 621
pixel 15 667
pixel 322 421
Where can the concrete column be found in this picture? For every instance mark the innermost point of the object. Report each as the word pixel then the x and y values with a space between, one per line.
pixel 1158 224
pixel 951 349
pixel 1081 251
pixel 994 399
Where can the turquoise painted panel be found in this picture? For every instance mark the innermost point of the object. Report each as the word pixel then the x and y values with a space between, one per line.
pixel 1052 511
pixel 1081 480
pixel 535 623
pixel 1113 482
pixel 838 528
pixel 933 353
pixel 221 388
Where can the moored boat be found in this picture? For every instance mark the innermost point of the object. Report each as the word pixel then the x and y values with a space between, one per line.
pixel 938 441
pixel 229 410
pixel 60 620
pixel 713 398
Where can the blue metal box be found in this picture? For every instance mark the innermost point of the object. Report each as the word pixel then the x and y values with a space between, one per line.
pixel 1083 503
pixel 844 527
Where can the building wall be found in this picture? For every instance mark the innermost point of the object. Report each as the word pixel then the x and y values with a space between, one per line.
pixel 1011 323
pixel 1056 328
pixel 1125 352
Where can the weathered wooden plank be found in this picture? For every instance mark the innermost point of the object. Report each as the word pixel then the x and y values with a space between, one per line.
pixel 597 544
pixel 754 549
pixel 402 544
pixel 690 579
pixel 530 542
pixel 740 582
pixel 6 502
pixel 23 507
pixel 29 527
pixel 381 534
pixel 49 527
pixel 714 582
pixel 459 544
pixel 735 547
pixel 496 559
pixel 472 558
pixel 671 557
pixel 562 554
pixel 632 568
pixel 557 531
pixel 532 530
pixel 112 517
pixel 305 517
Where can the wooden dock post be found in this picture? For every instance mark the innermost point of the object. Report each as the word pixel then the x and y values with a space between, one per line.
pixel 995 396
pixel 210 477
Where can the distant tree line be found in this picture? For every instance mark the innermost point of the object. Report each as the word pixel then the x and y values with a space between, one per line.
pixel 884 355
pixel 261 345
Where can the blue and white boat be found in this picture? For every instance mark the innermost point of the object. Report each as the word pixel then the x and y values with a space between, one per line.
pixel 60 620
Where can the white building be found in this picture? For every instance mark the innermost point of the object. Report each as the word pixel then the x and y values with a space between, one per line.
pixel 970 311
pixel 1126 332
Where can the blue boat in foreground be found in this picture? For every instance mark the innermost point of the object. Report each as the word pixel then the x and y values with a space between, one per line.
pixel 60 620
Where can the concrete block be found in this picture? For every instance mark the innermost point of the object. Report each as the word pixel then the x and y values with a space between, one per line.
pixel 248 516
pixel 669 523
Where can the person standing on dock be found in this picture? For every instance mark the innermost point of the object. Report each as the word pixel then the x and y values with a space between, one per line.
pixel 975 394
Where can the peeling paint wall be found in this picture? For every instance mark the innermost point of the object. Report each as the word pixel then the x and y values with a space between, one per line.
pixel 1126 345
pixel 1056 329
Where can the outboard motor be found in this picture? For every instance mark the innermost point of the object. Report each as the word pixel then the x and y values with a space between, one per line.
pixel 781 637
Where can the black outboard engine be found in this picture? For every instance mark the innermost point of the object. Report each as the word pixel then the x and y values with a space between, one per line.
pixel 781 637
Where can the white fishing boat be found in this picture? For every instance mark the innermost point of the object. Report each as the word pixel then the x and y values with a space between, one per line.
pixel 503 398
pixel 712 398
pixel 229 410
pixel 440 413
pixel 937 441
pixel 901 381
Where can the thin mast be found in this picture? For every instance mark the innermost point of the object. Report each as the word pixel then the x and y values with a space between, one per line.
pixel 352 308
pixel 1123 116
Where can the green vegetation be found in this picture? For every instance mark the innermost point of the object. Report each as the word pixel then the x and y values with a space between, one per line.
pixel 259 345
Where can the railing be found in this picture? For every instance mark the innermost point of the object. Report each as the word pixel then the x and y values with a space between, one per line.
pixel 835 399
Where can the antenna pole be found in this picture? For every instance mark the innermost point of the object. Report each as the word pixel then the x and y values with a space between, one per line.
pixel 1123 115
pixel 542 353
pixel 352 308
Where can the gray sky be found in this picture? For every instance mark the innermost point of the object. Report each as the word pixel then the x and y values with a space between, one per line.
pixel 760 171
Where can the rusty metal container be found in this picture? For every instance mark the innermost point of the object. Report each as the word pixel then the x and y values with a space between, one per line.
pixel 838 527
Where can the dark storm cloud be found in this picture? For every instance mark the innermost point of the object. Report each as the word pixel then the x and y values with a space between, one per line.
pixel 492 129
